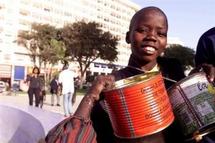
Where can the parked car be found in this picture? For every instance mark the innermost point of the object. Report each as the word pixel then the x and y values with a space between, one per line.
pixel 3 86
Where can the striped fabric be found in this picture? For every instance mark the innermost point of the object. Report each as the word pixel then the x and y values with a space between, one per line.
pixel 72 130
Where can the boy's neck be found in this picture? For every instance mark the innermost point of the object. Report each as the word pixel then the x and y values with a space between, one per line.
pixel 144 66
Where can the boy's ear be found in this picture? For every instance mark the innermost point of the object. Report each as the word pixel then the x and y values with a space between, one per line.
pixel 127 39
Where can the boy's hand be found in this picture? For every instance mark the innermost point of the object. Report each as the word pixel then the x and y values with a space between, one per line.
pixel 210 71
pixel 100 84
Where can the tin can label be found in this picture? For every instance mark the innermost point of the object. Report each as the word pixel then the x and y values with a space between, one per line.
pixel 193 103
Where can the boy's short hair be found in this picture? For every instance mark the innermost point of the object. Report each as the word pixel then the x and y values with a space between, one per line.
pixel 146 9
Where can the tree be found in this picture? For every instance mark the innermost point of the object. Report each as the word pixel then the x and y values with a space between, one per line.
pixel 43 44
pixel 57 52
pixel 184 54
pixel 86 42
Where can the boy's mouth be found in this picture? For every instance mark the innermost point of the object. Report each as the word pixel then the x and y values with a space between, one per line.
pixel 149 50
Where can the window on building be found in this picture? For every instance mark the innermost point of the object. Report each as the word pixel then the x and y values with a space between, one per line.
pixel 104 65
pixel 96 65
pixel 26 2
pixel 23 22
pixel 24 12
pixel 46 9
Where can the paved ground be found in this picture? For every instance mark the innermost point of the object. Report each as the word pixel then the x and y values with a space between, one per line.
pixel 22 99
pixel 16 117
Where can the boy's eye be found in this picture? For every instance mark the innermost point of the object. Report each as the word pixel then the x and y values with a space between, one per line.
pixel 142 30
pixel 146 30
pixel 162 34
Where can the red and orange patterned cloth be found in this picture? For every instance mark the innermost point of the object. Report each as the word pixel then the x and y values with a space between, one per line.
pixel 72 130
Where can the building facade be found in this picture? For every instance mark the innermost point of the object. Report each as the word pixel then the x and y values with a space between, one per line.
pixel 17 15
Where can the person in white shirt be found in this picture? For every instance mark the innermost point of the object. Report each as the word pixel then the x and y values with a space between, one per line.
pixel 66 79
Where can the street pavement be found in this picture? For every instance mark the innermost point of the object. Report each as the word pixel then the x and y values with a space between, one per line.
pixel 17 116
pixel 22 99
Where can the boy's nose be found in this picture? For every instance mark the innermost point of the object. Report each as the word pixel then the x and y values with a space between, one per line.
pixel 151 34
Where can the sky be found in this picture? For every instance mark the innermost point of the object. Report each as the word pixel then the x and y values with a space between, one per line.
pixel 188 19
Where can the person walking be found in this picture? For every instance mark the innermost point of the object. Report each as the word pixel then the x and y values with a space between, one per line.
pixel 35 86
pixel 66 79
pixel 54 91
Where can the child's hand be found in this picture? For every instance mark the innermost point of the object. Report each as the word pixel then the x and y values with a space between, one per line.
pixel 210 71
pixel 101 83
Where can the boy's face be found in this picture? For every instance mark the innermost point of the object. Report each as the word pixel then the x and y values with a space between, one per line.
pixel 148 35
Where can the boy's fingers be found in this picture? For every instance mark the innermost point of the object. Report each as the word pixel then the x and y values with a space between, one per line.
pixel 101 83
pixel 210 71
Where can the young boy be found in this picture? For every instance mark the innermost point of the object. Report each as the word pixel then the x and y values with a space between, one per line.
pixel 148 38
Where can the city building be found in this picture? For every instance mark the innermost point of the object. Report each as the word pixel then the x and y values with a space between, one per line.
pixel 17 15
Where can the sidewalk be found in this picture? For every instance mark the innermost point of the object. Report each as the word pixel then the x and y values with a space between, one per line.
pixel 17 116
pixel 22 99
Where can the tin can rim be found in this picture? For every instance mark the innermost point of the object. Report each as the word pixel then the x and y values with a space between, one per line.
pixel 185 79
pixel 133 80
